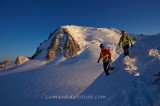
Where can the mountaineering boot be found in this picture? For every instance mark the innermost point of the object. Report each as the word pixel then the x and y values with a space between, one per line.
pixel 107 73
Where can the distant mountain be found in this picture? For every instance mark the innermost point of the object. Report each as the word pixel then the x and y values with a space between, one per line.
pixel 6 64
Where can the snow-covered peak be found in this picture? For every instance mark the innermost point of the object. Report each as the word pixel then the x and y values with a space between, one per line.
pixel 82 37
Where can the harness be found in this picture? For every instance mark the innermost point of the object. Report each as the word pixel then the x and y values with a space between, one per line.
pixel 105 58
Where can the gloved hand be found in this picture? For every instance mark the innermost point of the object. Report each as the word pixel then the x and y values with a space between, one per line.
pixel 97 61
pixel 131 45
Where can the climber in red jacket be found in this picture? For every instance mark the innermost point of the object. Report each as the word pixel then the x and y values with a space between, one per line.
pixel 105 54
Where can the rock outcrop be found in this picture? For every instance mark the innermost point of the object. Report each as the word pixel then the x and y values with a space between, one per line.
pixel 63 44
pixel 21 59
pixel 5 64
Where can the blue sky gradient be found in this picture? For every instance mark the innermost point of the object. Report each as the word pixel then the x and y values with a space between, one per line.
pixel 26 23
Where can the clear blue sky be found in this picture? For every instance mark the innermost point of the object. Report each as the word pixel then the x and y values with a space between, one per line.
pixel 26 23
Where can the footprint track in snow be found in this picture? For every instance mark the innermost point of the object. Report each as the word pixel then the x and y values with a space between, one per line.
pixel 130 65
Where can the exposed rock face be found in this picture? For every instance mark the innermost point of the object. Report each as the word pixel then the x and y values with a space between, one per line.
pixel 5 64
pixel 21 59
pixel 71 47
pixel 63 44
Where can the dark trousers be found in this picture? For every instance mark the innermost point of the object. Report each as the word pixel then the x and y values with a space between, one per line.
pixel 106 66
pixel 126 50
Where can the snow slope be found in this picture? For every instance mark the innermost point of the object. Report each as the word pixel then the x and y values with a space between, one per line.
pixel 37 81
pixel 132 83
pixel 37 78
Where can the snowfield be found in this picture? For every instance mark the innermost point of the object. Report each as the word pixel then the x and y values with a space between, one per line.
pixel 81 81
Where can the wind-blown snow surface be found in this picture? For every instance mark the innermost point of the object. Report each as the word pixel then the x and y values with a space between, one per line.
pixel 132 83
pixel 36 82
